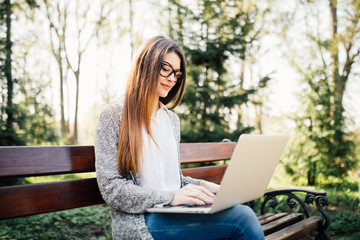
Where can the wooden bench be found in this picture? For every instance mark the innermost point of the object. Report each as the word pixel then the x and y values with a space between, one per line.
pixel 30 199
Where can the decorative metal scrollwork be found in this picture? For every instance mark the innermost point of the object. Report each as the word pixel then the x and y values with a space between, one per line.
pixel 273 202
pixel 320 202
pixel 251 204
pixel 309 198
pixel 319 197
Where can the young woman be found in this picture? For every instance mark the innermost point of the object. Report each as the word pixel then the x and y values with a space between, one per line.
pixel 137 158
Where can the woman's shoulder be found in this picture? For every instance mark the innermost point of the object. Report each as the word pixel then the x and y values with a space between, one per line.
pixel 174 118
pixel 113 110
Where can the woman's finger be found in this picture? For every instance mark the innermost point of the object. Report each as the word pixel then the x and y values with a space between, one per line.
pixel 202 189
pixel 193 194
pixel 206 191
pixel 195 201
pixel 201 194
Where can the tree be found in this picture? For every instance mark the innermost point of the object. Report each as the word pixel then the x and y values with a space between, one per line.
pixel 322 146
pixel 32 119
pixel 84 32
pixel 211 33
pixel 57 49
pixel 8 108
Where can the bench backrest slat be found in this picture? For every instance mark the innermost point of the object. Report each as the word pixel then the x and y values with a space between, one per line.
pixel 210 173
pixel 25 200
pixel 37 161
pixel 205 152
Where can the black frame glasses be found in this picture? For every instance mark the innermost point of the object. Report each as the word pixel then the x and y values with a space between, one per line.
pixel 166 72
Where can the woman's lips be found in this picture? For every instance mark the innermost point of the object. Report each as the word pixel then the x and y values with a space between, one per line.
pixel 166 86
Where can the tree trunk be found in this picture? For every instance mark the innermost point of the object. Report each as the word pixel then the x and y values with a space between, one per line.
pixel 338 82
pixel 58 54
pixel 8 75
pixel 62 111
pixel 131 16
pixel 77 78
pixel 334 51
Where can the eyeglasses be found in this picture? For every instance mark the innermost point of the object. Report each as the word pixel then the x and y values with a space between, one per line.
pixel 166 70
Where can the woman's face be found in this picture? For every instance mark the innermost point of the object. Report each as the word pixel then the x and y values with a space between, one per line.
pixel 170 62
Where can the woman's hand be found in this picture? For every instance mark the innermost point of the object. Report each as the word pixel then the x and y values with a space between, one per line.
pixel 198 195
pixel 212 187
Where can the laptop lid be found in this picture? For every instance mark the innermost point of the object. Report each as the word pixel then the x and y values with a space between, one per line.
pixel 248 174
pixel 251 167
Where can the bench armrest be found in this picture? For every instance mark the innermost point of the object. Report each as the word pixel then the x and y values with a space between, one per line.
pixel 311 196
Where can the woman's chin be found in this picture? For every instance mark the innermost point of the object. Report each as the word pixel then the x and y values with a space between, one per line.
pixel 163 94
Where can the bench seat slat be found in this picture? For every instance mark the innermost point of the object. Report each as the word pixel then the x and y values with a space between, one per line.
pixel 209 173
pixel 272 218
pixel 260 217
pixel 297 230
pixel 281 223
pixel 24 200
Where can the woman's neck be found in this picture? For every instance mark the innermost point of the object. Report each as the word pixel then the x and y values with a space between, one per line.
pixel 157 106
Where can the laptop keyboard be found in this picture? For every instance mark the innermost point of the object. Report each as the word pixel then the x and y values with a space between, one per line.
pixel 190 205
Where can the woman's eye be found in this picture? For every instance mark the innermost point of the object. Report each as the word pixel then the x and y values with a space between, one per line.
pixel 166 69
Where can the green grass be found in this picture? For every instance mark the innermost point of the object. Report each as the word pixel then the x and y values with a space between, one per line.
pixel 61 177
pixel 345 224
pixel 82 223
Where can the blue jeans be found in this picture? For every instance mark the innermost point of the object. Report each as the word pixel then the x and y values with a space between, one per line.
pixel 238 222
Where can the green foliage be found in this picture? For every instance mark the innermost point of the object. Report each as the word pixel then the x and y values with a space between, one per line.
pixel 12 181
pixel 26 117
pixel 344 193
pixel 34 122
pixel 8 109
pixel 221 30
pixel 82 223
pixel 37 119
pixel 321 146
pixel 346 223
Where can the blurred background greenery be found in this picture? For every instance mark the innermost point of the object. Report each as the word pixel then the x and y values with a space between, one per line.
pixel 265 66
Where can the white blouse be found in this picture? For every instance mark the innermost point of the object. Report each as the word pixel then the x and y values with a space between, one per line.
pixel 159 166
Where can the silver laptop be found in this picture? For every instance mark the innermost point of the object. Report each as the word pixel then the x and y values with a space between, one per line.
pixel 247 176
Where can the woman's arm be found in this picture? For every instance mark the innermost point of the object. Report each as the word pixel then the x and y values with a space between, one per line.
pixel 193 190
pixel 119 192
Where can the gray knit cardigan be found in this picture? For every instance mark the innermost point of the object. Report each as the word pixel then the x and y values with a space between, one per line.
pixel 127 200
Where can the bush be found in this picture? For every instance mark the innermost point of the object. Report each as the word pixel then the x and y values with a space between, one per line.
pixel 345 223
pixel 92 222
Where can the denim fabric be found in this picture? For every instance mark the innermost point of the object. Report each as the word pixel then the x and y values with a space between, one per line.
pixel 238 222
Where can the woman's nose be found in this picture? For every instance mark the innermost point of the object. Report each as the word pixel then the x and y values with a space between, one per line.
pixel 172 77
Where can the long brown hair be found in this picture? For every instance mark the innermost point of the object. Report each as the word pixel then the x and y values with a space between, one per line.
pixel 140 99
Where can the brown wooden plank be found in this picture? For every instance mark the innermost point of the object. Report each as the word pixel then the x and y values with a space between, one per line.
pixel 297 230
pixel 35 161
pixel 205 152
pixel 260 217
pixel 210 173
pixel 29 199
pixel 272 218
pixel 282 223
pixel 25 161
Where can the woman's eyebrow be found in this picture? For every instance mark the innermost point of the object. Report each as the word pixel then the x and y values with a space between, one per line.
pixel 167 63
